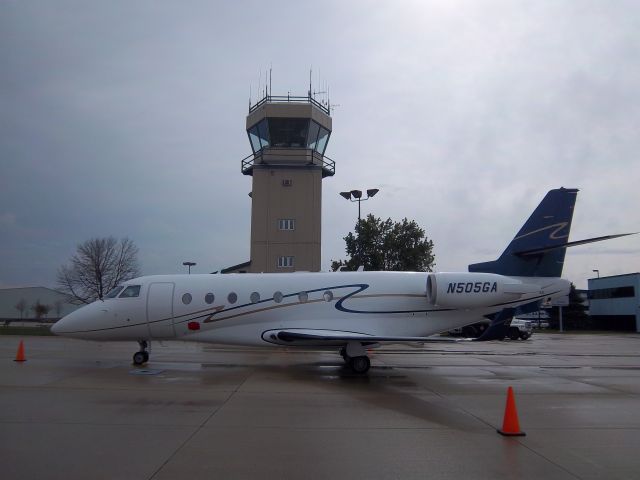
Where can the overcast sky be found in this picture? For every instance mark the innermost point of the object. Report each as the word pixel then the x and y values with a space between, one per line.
pixel 127 119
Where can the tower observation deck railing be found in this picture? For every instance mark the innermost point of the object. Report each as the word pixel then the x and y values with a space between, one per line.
pixel 291 157
pixel 291 99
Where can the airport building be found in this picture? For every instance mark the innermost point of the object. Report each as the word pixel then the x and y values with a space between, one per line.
pixel 288 137
pixel 614 302
pixel 21 304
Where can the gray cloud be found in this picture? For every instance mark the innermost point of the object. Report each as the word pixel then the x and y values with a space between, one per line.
pixel 128 120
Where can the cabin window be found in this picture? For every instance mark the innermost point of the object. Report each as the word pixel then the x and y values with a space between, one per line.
pixel 254 297
pixel 328 296
pixel 277 297
pixel 232 297
pixel 130 292
pixel 209 298
pixel 303 297
pixel 114 292
pixel 186 298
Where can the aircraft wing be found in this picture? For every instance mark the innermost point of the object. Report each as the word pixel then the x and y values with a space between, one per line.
pixel 338 337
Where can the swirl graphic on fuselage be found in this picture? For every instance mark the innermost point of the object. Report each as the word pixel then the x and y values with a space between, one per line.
pixel 226 314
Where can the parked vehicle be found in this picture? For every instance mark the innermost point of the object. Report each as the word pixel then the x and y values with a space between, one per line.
pixel 520 328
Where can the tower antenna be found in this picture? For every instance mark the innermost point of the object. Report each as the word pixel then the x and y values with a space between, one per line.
pixel 310 72
pixel 270 86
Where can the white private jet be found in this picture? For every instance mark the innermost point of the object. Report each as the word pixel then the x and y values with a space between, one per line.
pixel 348 311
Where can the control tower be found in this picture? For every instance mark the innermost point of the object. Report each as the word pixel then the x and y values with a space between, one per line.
pixel 288 137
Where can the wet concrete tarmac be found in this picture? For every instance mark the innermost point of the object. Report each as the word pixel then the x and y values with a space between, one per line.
pixel 78 409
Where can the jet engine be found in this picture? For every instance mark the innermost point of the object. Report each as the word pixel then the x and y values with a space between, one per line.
pixel 474 290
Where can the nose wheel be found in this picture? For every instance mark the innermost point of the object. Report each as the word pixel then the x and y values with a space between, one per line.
pixel 141 357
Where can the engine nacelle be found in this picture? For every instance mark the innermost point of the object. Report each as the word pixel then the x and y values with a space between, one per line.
pixel 474 290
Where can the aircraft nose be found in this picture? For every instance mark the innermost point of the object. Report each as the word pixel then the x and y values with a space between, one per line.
pixel 78 323
pixel 55 328
pixel 65 324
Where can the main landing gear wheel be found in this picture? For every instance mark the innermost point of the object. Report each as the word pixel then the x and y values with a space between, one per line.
pixel 360 364
pixel 141 357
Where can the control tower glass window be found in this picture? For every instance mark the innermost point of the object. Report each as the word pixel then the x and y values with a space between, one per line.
pixel 323 138
pixel 259 136
pixel 288 132
pixel 255 140
pixel 263 133
pixel 313 135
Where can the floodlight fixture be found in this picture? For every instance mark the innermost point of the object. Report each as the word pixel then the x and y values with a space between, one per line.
pixel 189 264
pixel 356 196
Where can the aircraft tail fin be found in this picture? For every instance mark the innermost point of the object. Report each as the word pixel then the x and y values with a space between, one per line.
pixel 539 248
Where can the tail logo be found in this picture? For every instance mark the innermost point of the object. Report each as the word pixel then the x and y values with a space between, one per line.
pixel 555 234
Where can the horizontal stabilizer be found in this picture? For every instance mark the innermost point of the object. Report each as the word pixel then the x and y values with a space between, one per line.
pixel 538 251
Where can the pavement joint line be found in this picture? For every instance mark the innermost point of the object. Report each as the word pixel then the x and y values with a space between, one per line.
pixel 201 426
pixel 519 441
pixel 522 441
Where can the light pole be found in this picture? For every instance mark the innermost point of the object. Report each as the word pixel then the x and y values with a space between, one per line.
pixel 597 272
pixel 357 197
pixel 189 264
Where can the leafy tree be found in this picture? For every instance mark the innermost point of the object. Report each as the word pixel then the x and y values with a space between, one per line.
pixel 574 315
pixel 21 306
pixel 98 265
pixel 387 245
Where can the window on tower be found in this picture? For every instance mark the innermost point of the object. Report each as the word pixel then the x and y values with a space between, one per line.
pixel 323 138
pixel 259 136
pixel 263 133
pixel 285 262
pixel 288 132
pixel 313 135
pixel 286 224
pixel 254 139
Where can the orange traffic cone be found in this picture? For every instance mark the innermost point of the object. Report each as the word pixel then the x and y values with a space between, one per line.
pixel 510 424
pixel 20 355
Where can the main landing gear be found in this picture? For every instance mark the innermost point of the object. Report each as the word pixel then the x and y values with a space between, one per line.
pixel 355 356
pixel 142 356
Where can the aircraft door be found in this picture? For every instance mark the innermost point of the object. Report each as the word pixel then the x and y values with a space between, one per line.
pixel 160 310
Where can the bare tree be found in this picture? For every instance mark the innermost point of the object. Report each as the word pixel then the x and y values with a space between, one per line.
pixel 58 306
pixel 98 265
pixel 21 306
pixel 40 309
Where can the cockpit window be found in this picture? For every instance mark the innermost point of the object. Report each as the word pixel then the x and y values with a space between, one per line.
pixel 114 292
pixel 130 291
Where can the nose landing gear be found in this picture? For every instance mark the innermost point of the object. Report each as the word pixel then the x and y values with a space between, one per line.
pixel 141 357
